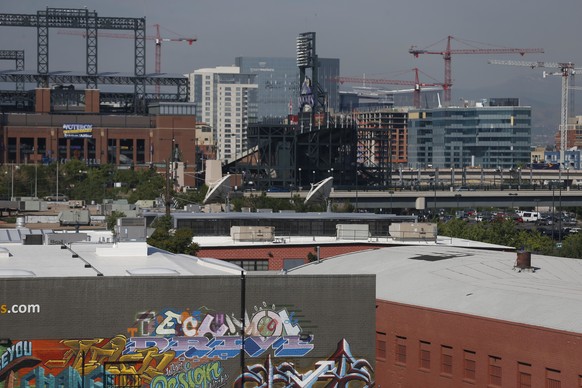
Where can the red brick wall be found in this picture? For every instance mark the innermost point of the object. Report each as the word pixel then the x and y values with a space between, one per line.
pixel 277 253
pixel 551 353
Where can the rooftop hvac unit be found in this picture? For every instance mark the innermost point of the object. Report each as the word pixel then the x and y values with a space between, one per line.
pixel 131 221
pixel 352 231
pixel 252 233
pixel 416 231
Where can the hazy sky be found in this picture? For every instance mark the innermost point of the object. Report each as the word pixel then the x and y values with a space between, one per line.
pixel 370 37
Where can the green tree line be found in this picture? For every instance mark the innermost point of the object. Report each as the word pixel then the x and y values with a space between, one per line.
pixel 506 233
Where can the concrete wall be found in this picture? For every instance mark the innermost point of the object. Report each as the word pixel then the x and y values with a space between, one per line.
pixel 179 329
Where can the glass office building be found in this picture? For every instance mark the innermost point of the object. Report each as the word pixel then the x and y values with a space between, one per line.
pixel 278 83
pixel 490 134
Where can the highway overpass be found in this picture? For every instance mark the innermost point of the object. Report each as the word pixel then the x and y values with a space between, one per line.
pixel 396 200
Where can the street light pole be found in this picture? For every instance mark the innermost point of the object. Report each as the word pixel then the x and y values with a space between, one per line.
pixel 356 188
pixel 242 330
pixel 435 199
pixel 560 215
pixel 300 180
pixel 35 179
pixel 12 182
pixel 457 196
pixel 391 207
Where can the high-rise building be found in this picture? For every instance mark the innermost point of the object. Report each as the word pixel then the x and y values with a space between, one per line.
pixel 226 100
pixel 382 140
pixel 278 83
pixel 494 133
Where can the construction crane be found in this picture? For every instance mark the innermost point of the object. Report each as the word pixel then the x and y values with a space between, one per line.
pixel 448 52
pixel 416 84
pixel 157 38
pixel 566 70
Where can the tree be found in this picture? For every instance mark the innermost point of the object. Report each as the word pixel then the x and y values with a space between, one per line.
pixel 503 232
pixel 572 246
pixel 172 240
pixel 111 220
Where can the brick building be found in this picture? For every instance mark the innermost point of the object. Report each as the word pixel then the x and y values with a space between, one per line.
pixel 167 133
pixel 129 315
pixel 452 317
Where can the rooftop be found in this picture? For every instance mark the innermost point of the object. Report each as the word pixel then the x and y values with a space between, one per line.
pixel 104 259
pixel 470 281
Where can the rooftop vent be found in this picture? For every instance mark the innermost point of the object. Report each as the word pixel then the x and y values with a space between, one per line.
pixel 523 261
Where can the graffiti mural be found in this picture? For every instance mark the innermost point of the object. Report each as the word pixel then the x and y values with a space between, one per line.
pixel 198 348
pixel 338 370
pixel 202 333
pixel 209 375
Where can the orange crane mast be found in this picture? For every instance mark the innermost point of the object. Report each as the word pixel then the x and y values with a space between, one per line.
pixel 448 52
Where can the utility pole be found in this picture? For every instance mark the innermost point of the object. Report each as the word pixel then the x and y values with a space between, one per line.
pixel 167 196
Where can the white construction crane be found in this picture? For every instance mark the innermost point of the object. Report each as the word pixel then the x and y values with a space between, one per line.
pixel 566 70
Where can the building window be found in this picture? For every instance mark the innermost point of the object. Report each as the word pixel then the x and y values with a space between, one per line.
pixel 424 355
pixel 495 371
pixel 469 366
pixel 252 265
pixel 380 345
pixel 523 375
pixel 446 360
pixel 553 378
pixel 400 350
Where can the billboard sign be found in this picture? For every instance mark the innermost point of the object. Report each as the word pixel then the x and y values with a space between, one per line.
pixel 78 130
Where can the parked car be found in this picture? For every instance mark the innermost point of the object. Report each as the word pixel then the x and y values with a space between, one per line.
pixel 58 197
pixel 530 216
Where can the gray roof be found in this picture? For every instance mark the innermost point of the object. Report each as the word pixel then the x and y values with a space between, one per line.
pixel 17 235
pixel 470 281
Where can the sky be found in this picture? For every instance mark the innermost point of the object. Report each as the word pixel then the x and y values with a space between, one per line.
pixel 370 37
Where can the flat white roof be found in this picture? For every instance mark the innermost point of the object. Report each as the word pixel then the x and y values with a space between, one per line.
pixel 105 259
pixel 227 241
pixel 470 281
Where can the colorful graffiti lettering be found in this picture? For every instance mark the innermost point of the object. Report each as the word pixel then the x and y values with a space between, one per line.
pixel 265 321
pixel 101 365
pixel 184 349
pixel 16 351
pixel 223 347
pixel 338 370
pixel 88 355
pixel 204 334
pixel 209 375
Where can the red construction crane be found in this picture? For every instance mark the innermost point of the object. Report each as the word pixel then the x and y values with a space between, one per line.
pixel 416 84
pixel 157 38
pixel 447 53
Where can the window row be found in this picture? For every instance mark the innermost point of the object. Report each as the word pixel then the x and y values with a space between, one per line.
pixel 429 357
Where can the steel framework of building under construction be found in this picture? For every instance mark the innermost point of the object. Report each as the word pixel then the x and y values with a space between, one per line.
pixel 90 22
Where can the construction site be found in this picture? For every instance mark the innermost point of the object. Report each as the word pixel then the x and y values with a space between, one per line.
pixel 68 115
